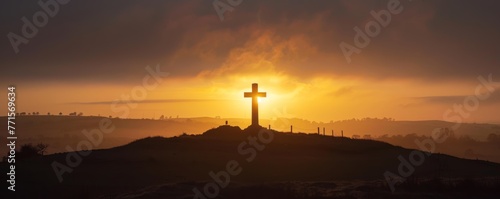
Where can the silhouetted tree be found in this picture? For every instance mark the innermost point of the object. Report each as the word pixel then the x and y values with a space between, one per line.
pixel 80 114
pixel 162 117
pixel 60 113
pixel 29 150
pixel 42 148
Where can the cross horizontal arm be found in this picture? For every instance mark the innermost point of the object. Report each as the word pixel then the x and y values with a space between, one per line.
pixel 259 94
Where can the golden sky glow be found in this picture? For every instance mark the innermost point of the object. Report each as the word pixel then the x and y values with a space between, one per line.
pixel 319 99
pixel 427 59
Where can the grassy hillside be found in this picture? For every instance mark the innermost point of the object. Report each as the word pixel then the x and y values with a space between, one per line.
pixel 189 158
pixel 59 131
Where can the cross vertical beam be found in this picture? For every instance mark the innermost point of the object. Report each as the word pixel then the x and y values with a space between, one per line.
pixel 255 94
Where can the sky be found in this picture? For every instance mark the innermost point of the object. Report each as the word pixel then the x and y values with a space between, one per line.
pixel 424 61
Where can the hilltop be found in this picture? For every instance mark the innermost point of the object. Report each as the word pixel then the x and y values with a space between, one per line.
pixel 187 160
pixel 59 132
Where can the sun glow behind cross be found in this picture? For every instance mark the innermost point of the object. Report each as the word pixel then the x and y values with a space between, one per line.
pixel 262 101
pixel 223 97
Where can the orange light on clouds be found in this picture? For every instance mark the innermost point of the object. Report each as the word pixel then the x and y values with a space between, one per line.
pixel 319 99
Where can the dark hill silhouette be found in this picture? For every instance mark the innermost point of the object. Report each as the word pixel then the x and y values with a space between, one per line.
pixel 60 131
pixel 185 161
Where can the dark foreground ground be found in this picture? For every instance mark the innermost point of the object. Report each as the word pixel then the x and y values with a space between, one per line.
pixel 430 188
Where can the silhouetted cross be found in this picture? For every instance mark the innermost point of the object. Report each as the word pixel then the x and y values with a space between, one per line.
pixel 255 94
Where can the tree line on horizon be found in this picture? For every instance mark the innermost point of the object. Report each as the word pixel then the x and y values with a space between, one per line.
pixel 48 114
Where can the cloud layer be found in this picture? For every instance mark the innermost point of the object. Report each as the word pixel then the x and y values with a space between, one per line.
pixel 112 41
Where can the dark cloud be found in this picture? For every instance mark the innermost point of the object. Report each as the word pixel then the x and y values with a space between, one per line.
pixel 342 91
pixel 148 101
pixel 112 41
pixel 494 98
